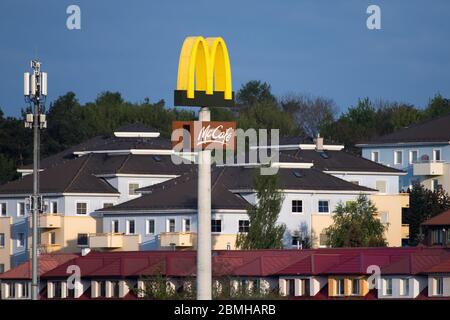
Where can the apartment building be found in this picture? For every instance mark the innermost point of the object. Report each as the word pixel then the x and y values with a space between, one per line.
pixel 344 273
pixel 422 150
pixel 123 192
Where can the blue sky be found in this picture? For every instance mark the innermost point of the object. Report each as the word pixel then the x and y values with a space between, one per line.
pixel 312 47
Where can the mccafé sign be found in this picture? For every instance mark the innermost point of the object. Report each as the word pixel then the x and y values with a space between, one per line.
pixel 198 135
pixel 204 74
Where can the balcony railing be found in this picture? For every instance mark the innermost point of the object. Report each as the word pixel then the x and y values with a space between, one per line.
pixel 106 240
pixel 49 248
pixel 48 220
pixel 428 168
pixel 177 239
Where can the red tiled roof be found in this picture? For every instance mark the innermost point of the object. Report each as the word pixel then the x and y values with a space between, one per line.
pixel 441 219
pixel 244 262
pixel 47 262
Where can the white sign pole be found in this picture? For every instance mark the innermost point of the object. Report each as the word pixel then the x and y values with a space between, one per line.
pixel 204 272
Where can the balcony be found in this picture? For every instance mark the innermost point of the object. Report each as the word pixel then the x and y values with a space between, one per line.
pixel 49 221
pixel 405 231
pixel 177 239
pixel 49 248
pixel 106 240
pixel 428 168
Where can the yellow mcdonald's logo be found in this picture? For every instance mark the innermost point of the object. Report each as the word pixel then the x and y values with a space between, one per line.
pixel 204 73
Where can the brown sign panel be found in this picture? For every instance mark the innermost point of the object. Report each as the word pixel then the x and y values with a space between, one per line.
pixel 198 135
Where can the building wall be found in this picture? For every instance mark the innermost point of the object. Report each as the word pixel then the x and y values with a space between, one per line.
pixel 416 285
pixel 370 180
pixel 386 157
pixel 392 205
pixel 6 250
pixel 230 225
pixel 121 183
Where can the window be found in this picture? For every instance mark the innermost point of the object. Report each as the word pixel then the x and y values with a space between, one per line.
pixel 114 289
pixel 115 226
pixel 21 209
pixel 2 268
pixel 2 240
pixel 23 290
pixel 305 289
pixel 52 238
pixel 20 240
pixel 437 155
pixel 297 206
pixel 295 240
pixel 340 287
pixel 102 289
pixel 244 225
pixel 150 226
pixel 290 290
pixel 132 187
pixel 131 227
pixel 384 217
pixel 53 207
pixel 437 236
pixel 57 289
pixel 108 205
pixel 375 156
pixel 381 186
pixel 186 225
pixel 387 287
pixel 216 225
pixel 12 290
pixel 413 156
pixel 170 225
pixel 438 286
pixel 323 239
pixel 355 287
pixel 82 239
pixel 81 207
pixel 3 209
pixel 435 185
pixel 398 157
pixel 324 206
pixel 404 287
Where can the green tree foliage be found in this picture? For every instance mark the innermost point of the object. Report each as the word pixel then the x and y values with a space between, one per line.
pixel 264 231
pixel 423 205
pixel 437 106
pixel 355 225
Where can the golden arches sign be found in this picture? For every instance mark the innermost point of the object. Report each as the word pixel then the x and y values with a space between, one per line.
pixel 204 74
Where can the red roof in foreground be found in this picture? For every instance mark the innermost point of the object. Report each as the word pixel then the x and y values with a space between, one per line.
pixel 47 262
pixel 441 219
pixel 249 263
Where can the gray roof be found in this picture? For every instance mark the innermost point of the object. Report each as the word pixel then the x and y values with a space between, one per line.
pixel 336 160
pixel 181 193
pixel 81 174
pixel 436 130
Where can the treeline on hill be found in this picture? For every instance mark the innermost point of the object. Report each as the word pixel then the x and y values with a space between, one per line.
pixel 70 123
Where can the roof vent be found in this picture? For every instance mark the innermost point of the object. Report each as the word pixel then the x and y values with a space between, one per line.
pixel 297 174
pixel 324 155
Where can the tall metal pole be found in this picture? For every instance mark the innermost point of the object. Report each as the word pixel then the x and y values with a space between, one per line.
pixel 34 245
pixel 204 273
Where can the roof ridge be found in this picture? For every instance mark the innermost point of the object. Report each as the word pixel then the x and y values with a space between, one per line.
pixel 72 181
pixel 123 163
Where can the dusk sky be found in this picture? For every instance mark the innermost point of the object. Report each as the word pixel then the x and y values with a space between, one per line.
pixel 311 47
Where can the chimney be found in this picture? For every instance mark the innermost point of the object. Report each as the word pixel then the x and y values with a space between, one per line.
pixel 319 143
